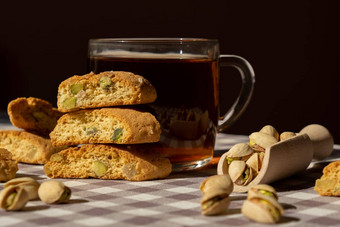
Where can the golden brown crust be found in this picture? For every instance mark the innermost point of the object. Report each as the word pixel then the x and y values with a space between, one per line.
pixel 329 183
pixel 27 147
pixel 120 162
pixel 33 114
pixel 8 166
pixel 106 125
pixel 123 88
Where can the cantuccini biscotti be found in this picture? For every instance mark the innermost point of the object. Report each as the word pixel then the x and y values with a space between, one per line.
pixel 111 88
pixel 8 166
pixel 107 162
pixel 27 147
pixel 33 114
pixel 106 125
pixel 329 183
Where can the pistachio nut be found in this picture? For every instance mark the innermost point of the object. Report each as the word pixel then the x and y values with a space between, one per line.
pixel 262 189
pixel 216 190
pixel 263 209
pixel 254 162
pixel 240 151
pixel 214 205
pixel 13 198
pixel 117 134
pixel 259 141
pixel 270 130
pixel 287 135
pixel 240 173
pixel 217 183
pixel 99 168
pixel 54 192
pixel 30 185
pixel 70 102
pixel 105 82
pixel 75 88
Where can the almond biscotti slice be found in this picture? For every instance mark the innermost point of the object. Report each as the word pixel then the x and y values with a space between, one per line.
pixel 33 114
pixel 27 147
pixel 111 88
pixel 106 125
pixel 108 162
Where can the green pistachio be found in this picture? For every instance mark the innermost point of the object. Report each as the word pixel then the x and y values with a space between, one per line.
pixel 117 133
pixel 75 88
pixel 105 82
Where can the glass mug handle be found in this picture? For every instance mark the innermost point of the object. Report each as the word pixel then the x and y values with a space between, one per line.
pixel 248 80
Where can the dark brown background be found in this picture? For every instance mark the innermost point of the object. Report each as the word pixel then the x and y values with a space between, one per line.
pixel 293 47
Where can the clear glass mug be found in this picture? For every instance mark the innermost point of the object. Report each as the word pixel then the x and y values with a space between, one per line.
pixel 185 73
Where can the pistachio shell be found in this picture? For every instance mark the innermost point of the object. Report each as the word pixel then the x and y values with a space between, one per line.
pixel 18 202
pixel 287 135
pixel 236 168
pixel 250 177
pixel 270 130
pixel 240 150
pixel 254 162
pixel 257 213
pixel 260 141
pixel 53 192
pixel 216 207
pixel 217 183
pixel 273 201
pixel 30 185
pixel 223 166
pixel 260 189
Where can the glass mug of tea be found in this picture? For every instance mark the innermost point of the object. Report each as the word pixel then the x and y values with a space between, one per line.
pixel 185 74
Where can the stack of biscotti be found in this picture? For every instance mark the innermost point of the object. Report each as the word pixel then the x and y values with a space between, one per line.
pixel 37 118
pixel 109 136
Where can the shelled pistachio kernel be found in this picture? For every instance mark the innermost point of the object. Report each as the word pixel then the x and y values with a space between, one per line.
pixel 30 185
pixel 117 134
pixel 105 82
pixel 99 168
pixel 70 102
pixel 287 135
pixel 52 191
pixel 13 198
pixel 75 88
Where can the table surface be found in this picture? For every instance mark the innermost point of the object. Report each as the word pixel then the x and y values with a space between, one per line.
pixel 173 201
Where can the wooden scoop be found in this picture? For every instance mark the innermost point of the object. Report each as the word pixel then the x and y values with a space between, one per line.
pixel 288 157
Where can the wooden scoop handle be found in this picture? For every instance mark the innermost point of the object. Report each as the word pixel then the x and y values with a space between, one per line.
pixel 322 140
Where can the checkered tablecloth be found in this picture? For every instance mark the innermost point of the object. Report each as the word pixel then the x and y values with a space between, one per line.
pixel 174 201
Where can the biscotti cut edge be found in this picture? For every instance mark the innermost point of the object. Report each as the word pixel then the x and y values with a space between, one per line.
pixel 106 125
pixel 107 162
pixel 27 147
pixel 110 88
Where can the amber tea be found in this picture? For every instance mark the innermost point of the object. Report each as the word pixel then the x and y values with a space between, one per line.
pixel 185 73
pixel 186 104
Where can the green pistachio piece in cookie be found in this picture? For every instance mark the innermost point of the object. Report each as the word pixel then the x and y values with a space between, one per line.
pixel 117 133
pixel 105 82
pixel 70 102
pixel 75 88
pixel 99 168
